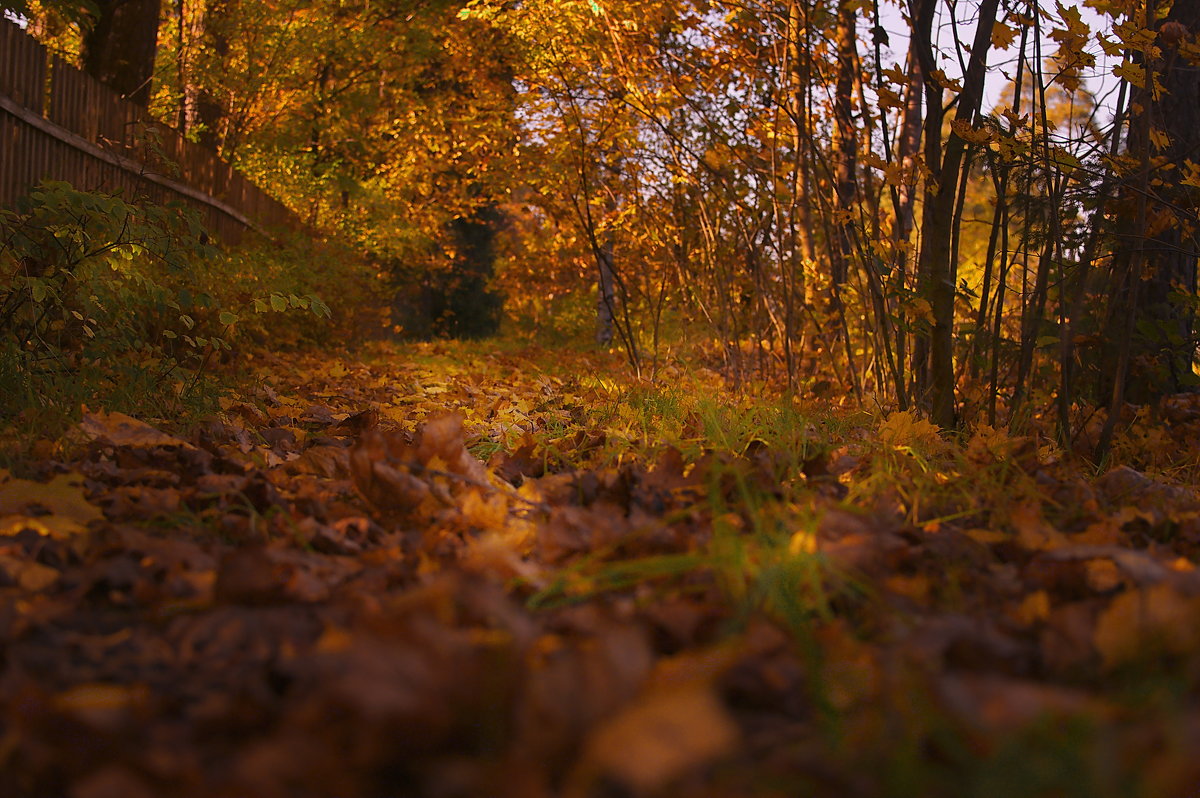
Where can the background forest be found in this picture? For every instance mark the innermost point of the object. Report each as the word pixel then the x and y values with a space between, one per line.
pixel 823 421
pixel 919 205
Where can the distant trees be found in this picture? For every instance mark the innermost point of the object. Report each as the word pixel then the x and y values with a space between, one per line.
pixel 846 217
pixel 786 159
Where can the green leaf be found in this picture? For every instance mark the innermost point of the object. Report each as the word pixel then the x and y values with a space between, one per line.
pixel 228 318
pixel 279 302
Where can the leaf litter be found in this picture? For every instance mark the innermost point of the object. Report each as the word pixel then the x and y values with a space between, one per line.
pixel 445 573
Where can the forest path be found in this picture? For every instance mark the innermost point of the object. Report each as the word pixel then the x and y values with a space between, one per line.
pixel 647 591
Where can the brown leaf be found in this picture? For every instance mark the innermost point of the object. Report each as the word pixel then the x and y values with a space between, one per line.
pixel 1143 623
pixel 250 576
pixel 1139 566
pixel 442 437
pixel 111 781
pixel 118 429
pixel 995 702
pixel 677 726
pixel 29 575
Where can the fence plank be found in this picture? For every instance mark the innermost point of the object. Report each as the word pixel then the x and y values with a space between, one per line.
pixel 22 66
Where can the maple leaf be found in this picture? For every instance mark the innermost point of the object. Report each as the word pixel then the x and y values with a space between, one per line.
pixel 903 429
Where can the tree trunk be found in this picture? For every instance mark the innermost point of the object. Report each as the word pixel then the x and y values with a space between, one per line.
pixel 202 110
pixel 936 270
pixel 845 149
pixel 119 49
pixel 606 294
pixel 1163 343
pixel 797 28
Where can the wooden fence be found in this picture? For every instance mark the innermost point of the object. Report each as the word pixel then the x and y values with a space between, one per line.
pixel 58 123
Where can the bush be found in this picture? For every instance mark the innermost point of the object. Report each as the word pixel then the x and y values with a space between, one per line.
pixel 91 280
pixel 261 281
pixel 123 304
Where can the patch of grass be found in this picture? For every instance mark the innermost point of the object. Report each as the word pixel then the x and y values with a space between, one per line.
pixel 45 412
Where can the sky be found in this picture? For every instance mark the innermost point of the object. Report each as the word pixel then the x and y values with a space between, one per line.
pixel 1100 82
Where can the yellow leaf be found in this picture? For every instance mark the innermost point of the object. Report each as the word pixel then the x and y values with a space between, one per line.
pixel 919 309
pixel 118 429
pixel 486 513
pixel 61 497
pixel 989 445
pixel 802 542
pixel 1160 138
pixel 1033 531
pixel 100 704
pixel 988 537
pixel 1191 176
pixel 1131 73
pixel 903 429
pixel 1002 36
pixel 1034 607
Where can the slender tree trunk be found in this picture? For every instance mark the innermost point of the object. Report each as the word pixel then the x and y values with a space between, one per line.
pixel 797 32
pixel 606 296
pixel 936 270
pixel 922 47
pixel 845 148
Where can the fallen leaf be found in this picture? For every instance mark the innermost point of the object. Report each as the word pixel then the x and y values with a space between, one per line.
pixel 1143 623
pixel 62 496
pixel 105 706
pixel 29 575
pixel 118 429
pixel 661 736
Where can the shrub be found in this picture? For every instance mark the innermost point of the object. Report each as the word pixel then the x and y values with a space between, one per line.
pixel 123 304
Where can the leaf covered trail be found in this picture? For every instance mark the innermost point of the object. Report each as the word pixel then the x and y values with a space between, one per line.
pixel 446 572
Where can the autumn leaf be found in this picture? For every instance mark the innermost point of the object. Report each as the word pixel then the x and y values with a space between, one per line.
pixel 1139 623
pixel 66 509
pixel 1003 36
pixel 118 429
pixel 903 429
pixel 675 727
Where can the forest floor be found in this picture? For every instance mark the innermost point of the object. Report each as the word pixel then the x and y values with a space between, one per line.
pixel 453 570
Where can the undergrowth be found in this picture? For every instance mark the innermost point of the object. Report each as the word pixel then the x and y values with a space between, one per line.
pixel 117 303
